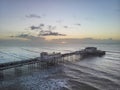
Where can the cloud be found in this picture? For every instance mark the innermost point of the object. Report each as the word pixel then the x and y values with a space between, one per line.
pixel 21 35
pixel 78 24
pixel 65 26
pixel 42 27
pixel 86 41
pixel 50 33
pixel 33 16
pixel 42 24
pixel 34 27
pixel 37 27
pixel 47 32
pixel 38 41
pixel 50 27
pixel 27 36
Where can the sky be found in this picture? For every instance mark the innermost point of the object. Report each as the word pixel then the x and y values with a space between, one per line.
pixel 55 19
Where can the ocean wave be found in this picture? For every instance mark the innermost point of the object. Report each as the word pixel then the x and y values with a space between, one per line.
pixel 79 85
pixel 88 72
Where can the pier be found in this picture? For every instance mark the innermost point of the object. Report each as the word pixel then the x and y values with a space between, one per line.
pixel 51 59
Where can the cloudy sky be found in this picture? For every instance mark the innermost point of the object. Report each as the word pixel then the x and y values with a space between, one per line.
pixel 53 19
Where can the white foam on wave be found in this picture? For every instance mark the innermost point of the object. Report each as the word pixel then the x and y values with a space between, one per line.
pixel 35 83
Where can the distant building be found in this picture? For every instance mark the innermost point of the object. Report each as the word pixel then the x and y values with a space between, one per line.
pixel 90 49
pixel 45 55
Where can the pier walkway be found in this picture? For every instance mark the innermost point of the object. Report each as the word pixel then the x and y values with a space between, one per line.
pixel 50 59
pixel 14 64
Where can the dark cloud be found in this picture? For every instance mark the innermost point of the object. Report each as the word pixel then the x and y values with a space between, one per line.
pixel 50 33
pixel 54 27
pixel 34 27
pixel 21 35
pixel 78 24
pixel 50 27
pixel 47 32
pixel 65 26
pixel 26 36
pixel 37 27
pixel 33 16
pixel 42 25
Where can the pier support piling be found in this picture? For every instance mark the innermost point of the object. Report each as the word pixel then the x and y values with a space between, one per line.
pixel 1 74
pixel 18 71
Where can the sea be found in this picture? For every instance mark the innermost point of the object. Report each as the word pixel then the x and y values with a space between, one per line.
pixel 91 73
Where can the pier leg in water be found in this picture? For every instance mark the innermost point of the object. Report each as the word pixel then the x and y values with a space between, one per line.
pixel 54 60
pixel 18 71
pixel 67 58
pixel 63 59
pixel 45 65
pixel 77 57
pixel 31 66
pixel 1 74
pixel 57 60
pixel 72 58
pixel 39 65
